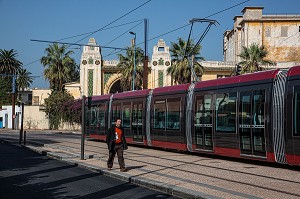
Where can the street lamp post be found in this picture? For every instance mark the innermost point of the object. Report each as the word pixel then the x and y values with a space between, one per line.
pixel 134 67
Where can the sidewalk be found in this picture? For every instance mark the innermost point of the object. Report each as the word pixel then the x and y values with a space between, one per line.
pixel 183 175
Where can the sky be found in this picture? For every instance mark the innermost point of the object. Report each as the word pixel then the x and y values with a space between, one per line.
pixel 109 22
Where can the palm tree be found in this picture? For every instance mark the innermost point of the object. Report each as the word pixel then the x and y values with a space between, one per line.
pixel 180 70
pixel 8 62
pixel 59 66
pixel 9 65
pixel 253 58
pixel 126 64
pixel 24 79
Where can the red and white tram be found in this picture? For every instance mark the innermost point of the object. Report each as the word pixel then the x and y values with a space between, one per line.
pixel 254 116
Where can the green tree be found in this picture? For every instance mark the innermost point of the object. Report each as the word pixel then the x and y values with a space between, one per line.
pixel 180 70
pixel 253 57
pixel 56 108
pixel 5 90
pixel 60 67
pixel 126 65
pixel 24 79
pixel 9 65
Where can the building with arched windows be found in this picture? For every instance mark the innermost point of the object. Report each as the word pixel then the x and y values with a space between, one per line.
pixel 98 77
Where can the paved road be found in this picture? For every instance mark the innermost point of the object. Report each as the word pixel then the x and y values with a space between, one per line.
pixel 180 174
pixel 25 174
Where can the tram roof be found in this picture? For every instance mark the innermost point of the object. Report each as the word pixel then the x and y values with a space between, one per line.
pixel 101 97
pixel 131 94
pixel 236 80
pixel 171 89
pixel 295 70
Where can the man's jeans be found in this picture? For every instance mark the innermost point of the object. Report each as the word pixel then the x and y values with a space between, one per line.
pixel 119 151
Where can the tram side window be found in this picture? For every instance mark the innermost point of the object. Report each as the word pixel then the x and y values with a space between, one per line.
pixel 198 112
pixel 207 110
pixel 297 110
pixel 245 109
pixel 88 117
pixel 116 113
pixel 93 116
pixel 137 118
pixel 126 115
pixel 258 107
pixel 160 114
pixel 173 114
pixel 226 112
pixel 101 115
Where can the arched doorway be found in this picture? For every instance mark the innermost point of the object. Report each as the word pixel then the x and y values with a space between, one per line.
pixel 116 87
pixel 113 84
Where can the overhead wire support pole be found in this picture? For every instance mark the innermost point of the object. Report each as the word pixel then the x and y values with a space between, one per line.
pixel 145 70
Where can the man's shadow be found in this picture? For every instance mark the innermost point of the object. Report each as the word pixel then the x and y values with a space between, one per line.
pixel 134 167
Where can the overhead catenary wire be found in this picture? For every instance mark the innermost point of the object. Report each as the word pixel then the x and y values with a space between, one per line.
pixel 156 37
pixel 183 26
pixel 105 25
pixel 204 33
pixel 114 21
pixel 125 32
pixel 115 52
pixel 78 35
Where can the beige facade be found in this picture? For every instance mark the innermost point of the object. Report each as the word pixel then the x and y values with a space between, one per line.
pixel 35 118
pixel 279 34
pixel 74 89
pixel 216 69
pixel 39 96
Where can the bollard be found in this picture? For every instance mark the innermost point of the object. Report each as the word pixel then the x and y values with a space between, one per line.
pixel 20 137
pixel 24 137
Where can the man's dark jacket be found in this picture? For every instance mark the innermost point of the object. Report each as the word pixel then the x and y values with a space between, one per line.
pixel 110 138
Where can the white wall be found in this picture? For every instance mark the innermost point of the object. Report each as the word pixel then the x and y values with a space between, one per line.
pixel 34 118
pixel 8 110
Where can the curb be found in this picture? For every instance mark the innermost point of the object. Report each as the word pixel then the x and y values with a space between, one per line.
pixel 143 182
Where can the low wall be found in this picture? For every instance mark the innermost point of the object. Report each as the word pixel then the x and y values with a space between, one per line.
pixel 34 118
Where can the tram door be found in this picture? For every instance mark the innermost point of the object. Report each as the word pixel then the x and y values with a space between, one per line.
pixel 137 122
pixel 251 123
pixel 203 122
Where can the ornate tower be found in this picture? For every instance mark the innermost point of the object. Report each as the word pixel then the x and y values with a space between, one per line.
pixel 161 60
pixel 90 69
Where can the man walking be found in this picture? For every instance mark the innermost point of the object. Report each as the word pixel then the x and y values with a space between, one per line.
pixel 116 143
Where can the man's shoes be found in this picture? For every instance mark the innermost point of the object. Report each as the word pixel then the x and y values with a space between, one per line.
pixel 123 169
pixel 109 168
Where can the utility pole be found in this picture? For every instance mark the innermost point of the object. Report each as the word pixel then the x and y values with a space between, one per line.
pixel 82 126
pixel 134 64
pixel 145 71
